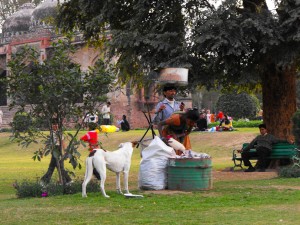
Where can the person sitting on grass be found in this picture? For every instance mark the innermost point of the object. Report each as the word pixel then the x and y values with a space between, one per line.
pixel 226 124
pixel 201 123
pixel 124 124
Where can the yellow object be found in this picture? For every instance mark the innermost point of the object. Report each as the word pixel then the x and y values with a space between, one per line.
pixel 108 128
pixel 227 125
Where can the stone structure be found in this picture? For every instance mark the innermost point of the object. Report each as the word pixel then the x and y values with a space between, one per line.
pixel 29 26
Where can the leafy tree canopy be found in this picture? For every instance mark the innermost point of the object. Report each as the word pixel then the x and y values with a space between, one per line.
pixel 228 45
pixel 238 43
pixel 241 43
pixel 145 35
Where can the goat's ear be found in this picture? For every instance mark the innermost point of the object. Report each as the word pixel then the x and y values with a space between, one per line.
pixel 121 145
pixel 134 143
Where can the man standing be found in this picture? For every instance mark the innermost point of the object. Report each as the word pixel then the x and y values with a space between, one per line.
pixel 56 155
pixel 169 105
pixel 106 114
pixel 263 144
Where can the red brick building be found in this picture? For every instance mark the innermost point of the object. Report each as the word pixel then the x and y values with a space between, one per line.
pixel 28 27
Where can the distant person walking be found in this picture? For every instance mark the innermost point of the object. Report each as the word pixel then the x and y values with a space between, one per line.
pixel 106 114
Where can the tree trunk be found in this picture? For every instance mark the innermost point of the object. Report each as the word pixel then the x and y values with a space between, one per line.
pixel 63 174
pixel 128 94
pixel 279 100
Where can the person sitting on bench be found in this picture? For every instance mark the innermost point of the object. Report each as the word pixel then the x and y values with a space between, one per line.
pixel 263 144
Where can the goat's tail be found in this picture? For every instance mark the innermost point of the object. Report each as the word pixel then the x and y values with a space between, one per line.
pixel 89 166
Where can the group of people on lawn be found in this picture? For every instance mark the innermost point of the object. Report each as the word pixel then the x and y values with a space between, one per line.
pixel 173 120
pixel 177 123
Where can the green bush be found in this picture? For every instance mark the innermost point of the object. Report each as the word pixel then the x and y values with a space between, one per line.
pixel 238 105
pixel 27 188
pixel 239 123
pixel 5 129
pixel 289 171
pixel 21 122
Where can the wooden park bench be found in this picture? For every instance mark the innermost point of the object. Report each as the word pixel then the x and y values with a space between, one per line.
pixel 281 150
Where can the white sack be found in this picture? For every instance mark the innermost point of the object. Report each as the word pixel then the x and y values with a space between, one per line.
pixel 176 145
pixel 153 166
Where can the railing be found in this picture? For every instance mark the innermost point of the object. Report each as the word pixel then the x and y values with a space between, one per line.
pixel 296 158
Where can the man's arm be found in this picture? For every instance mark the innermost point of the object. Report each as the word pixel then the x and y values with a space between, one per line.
pixel 159 112
pixel 160 107
pixel 248 147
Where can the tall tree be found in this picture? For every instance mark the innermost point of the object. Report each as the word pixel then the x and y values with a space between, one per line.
pixel 232 45
pixel 55 88
pixel 248 44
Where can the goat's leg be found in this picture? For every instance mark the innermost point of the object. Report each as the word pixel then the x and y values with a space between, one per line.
pixel 126 173
pixel 102 172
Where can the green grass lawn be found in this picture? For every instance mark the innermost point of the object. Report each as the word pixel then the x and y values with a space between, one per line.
pixel 231 201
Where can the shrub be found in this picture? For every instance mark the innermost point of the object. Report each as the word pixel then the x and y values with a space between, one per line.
pixel 239 123
pixel 27 188
pixel 238 105
pixel 21 122
pixel 289 171
pixel 5 129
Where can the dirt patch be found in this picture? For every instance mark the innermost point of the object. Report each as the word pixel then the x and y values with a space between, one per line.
pixel 284 187
pixel 229 176
pixel 166 192
pixel 241 175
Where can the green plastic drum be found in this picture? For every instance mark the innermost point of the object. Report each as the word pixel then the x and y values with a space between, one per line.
pixel 189 174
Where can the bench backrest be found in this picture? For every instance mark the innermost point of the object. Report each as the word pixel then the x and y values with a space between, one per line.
pixel 280 150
